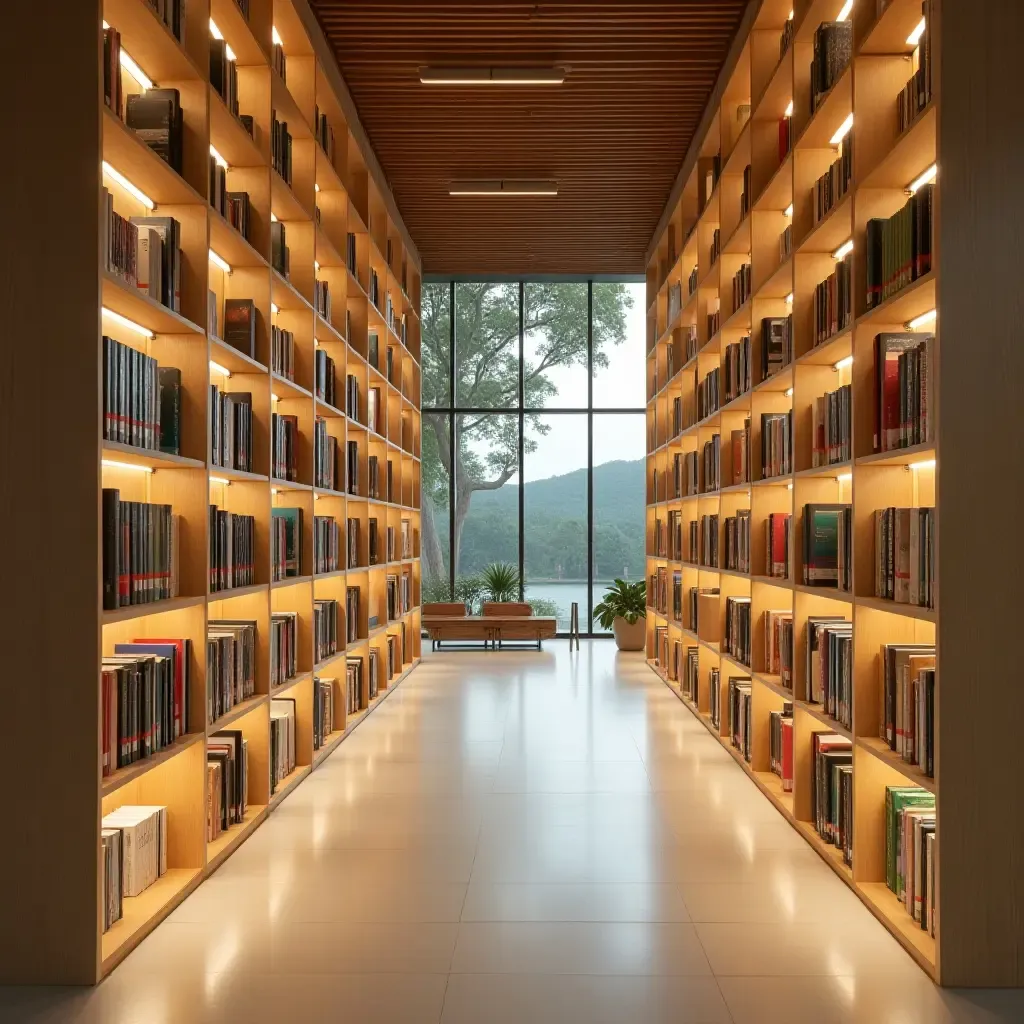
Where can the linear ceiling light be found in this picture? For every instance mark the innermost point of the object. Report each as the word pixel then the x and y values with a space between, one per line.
pixel 506 187
pixel 842 130
pixel 912 40
pixel 116 175
pixel 924 179
pixel 845 12
pixel 492 76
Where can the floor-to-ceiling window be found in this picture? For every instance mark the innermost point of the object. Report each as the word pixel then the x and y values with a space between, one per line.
pixel 533 438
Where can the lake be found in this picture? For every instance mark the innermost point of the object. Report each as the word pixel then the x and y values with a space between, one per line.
pixel 563 593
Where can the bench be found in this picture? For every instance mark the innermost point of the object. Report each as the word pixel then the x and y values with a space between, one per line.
pixel 501 622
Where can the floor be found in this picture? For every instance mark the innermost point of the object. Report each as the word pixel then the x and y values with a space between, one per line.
pixel 519 837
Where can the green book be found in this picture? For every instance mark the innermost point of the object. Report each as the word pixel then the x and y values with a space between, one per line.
pixel 898 799
pixel 821 545
pixel 293 538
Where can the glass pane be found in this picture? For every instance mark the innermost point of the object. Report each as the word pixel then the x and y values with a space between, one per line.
pixel 619 346
pixel 486 346
pixel 436 336
pixel 434 546
pixel 619 494
pixel 487 495
pixel 555 345
pixel 555 515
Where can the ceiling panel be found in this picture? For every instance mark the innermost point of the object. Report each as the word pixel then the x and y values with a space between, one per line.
pixel 613 135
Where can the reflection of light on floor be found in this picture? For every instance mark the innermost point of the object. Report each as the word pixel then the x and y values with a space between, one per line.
pixel 350 792
pixel 716 795
pixel 221 959
pixel 785 892
pixel 280 883
pixel 746 838
pixel 842 972
pixel 319 828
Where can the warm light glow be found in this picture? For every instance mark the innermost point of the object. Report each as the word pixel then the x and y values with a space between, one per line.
pixel 135 71
pixel 789 392
pixel 924 179
pixel 923 464
pixel 920 321
pixel 492 76
pixel 788 211
pixel 214 31
pixel 217 368
pixel 116 175
pixel 273 218
pixel 276 36
pixel 506 187
pixel 125 322
pixel 790 18
pixel 789 299
pixel 274 308
pixel 275 490
pixel 220 480
pixel 316 266
pixel 218 159
pixel 842 130
pixel 789 487
pixel 843 363
pixel 112 464
pixel 274 397
pixel 915 37
pixel 789 109
pixel 219 261
pixel 316 188
pixel 844 478
pixel 845 12
pixel 845 249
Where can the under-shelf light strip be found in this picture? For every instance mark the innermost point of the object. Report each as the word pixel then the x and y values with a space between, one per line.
pixel 844 250
pixel 217 368
pixel 844 478
pixel 922 464
pixel 132 189
pixel 843 363
pixel 113 464
pixel 923 179
pixel 132 67
pixel 221 162
pixel 130 324
pixel 220 480
pixel 275 35
pixel 788 211
pixel 842 130
pixel 920 321
pixel 219 261
pixel 217 34
pixel 789 110
pixel 915 37
pixel 844 13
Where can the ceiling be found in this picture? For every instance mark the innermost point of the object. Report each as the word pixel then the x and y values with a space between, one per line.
pixel 614 135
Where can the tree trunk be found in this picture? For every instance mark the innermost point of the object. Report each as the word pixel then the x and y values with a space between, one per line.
pixel 463 495
pixel 431 543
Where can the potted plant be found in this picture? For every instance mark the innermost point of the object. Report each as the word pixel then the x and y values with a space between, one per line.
pixel 624 611
pixel 500 582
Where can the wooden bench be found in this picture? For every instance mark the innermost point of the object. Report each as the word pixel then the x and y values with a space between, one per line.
pixel 501 622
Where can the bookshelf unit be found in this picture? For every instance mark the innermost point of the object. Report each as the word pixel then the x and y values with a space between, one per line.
pixel 978 933
pixel 58 631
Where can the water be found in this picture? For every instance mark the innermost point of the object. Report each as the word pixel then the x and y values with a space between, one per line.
pixel 563 594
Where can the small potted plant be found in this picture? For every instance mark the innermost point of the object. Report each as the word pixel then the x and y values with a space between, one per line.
pixel 624 611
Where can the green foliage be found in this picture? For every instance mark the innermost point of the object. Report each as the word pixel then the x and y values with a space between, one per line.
pixel 500 582
pixel 622 600
pixel 541 606
pixel 468 589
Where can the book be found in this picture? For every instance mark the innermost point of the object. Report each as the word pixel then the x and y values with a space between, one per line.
pixel 286 543
pixel 737 541
pixel 827 549
pixel 231 429
pixel 132 404
pixel 140 551
pixel 325 629
pixel 168 231
pixel 898 249
pixel 740 715
pixel 776 344
pixel 281 147
pixel 833 46
pixel 831 435
pixel 777 545
pixel 325 381
pixel 232 550
pixel 832 790
pixel 904 549
pixel 282 740
pixel 142 839
pixel 230 665
pixel 228 752
pixel 832 306
pixel 776 444
pixel 325 457
pixel 169 389
pixel 738 377
pixel 137 705
pixel 326 545
pixel 240 325
pixel 903 371
pixel 280 258
pixel 352 615
pixel 155 115
pixel 284 635
pixel 736 639
pixel 113 93
pixel 284 444
pixel 326 717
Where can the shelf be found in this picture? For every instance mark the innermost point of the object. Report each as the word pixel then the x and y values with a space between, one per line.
pixel 233 592
pixel 302 677
pixel 284 203
pixel 134 160
pixel 833 108
pixel 890 911
pixel 835 228
pixel 829 593
pixel 824 472
pixel 290 581
pixel 285 388
pixel 237 362
pixel 781 380
pixel 235 475
pixel 113 782
pixel 777 195
pixel 829 351
pixel 228 136
pixel 232 247
pixel 908 611
pixel 818 714
pixel 287 109
pixel 881 750
pixel 900 456
pixel 285 295
pixel 916 298
pixel 911 153
pixel 278 485
pixel 779 284
pixel 227 842
pixel 288 783
pixel 238 711
pixel 141 611
pixel 150 42
pixel 141 914
pixel 237 33
pixel 774 683
pixel 143 310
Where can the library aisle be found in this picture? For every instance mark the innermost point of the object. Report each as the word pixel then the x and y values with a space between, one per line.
pixel 521 837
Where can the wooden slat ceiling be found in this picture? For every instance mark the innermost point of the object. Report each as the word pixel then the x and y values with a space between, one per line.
pixel 613 135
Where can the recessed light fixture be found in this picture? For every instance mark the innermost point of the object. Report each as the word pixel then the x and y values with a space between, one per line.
pixel 920 321
pixel 131 189
pixel 789 299
pixel 220 480
pixel 217 368
pixel 844 250
pixel 789 392
pixel 789 109
pixel 844 13
pixel 219 261
pixel 276 36
pixel 492 76
pixel 505 187
pixel 788 211
pixel 844 478
pixel 274 309
pixel 924 179
pixel 923 464
pixel 913 39
pixel 843 363
pixel 125 322
pixel 139 75
pixel 113 464
pixel 842 130
pixel 218 159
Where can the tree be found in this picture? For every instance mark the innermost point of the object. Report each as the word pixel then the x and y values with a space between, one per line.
pixel 487 377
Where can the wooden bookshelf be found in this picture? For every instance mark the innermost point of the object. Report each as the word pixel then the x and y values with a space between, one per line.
pixel 57 631
pixel 971 284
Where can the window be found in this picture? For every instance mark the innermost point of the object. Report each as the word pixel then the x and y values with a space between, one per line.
pixel 538 384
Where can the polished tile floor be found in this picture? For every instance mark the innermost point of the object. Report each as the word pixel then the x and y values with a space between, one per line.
pixel 521 837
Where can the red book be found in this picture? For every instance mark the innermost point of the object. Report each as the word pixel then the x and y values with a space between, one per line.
pixel 787 755
pixel 181 653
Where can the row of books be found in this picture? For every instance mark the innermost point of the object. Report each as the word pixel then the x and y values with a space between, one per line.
pixel 739 453
pixel 714 320
pixel 281 148
pixel 140 551
pixel 716 247
pixel 741 715
pixel 828 546
pixel 777 530
pixel 745 195
pixel 907 696
pixel 325 457
pixel 708 394
pixel 282 740
pixel 322 299
pixel 240 325
pixel 113 89
pixel 232 550
pixel 737 541
pixel 145 253
pixel 326 544
pixel 833 47
pixel 325 629
pixel 776 444
pixel 832 791
pixel 323 132
pixel 737 637
pixel 785 243
pixel 834 184
pixel 832 302
pixel 141 400
pixel 325 720
pixel 910 844
pixel 352 531
pixel 905 555
pixel 780 744
pixel 904 370
pixel 133 843
pixel 707 542
pixel 325 377
pixel 284 647
pixel 231 436
pixel 156 117
pixel 738 375
pixel 917 93
pixel 227 781
pixel 898 249
pixel 230 665
pixel 144 700
pixel 285 543
pixel 224 74
pixel 354 685
pixel 830 666
pixel 282 352
pixel 742 286
pixel 776 344
pixel 778 645
pixel 831 433
pixel 284 446
pixel 352 617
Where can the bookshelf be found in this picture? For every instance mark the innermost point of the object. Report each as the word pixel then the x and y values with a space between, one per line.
pixel 978 929
pixel 59 631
